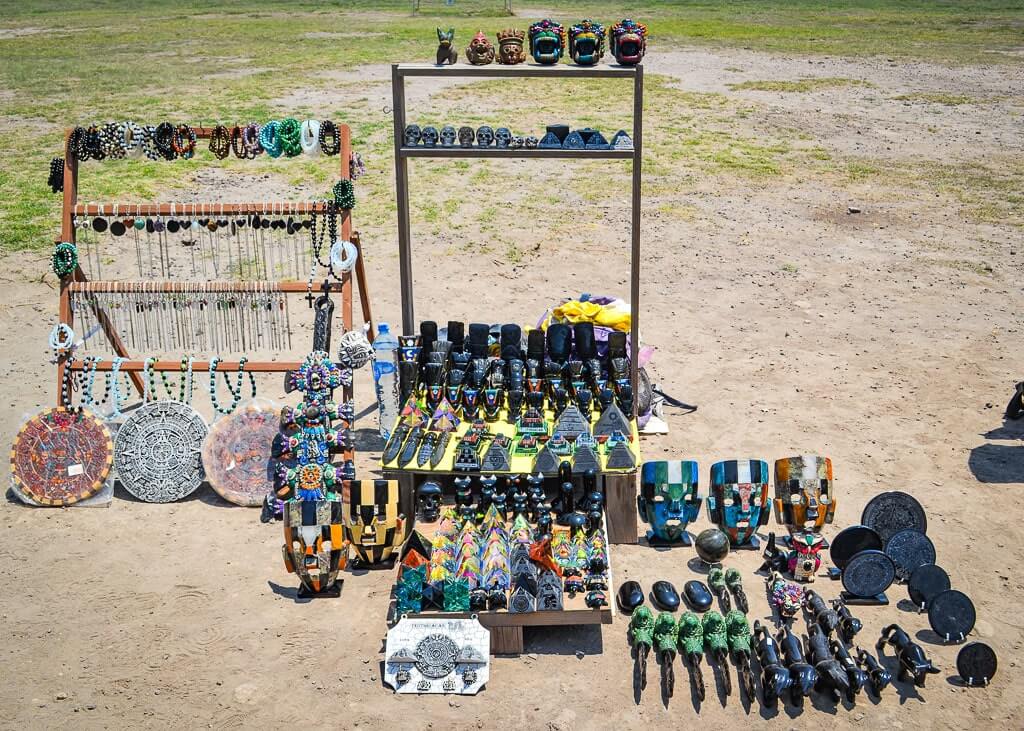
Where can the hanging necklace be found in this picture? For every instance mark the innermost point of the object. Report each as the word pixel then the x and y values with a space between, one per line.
pixel 236 390
pixel 168 388
pixel 115 388
pixel 149 390
pixel 87 388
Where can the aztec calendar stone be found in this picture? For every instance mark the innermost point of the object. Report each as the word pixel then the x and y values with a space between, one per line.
pixel 60 457
pixel 236 453
pixel 157 451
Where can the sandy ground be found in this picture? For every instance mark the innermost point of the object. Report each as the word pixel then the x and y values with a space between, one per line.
pixel 880 343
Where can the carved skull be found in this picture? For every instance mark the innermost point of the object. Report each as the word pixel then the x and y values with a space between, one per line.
pixel 484 136
pixel 531 141
pixel 466 136
pixel 502 137
pixel 412 135
pixel 516 142
pixel 448 136
pixel 429 135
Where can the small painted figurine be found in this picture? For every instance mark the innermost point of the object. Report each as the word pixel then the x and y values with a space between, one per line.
pixel 669 499
pixel 510 46
pixel 738 498
pixel 804 496
pixel 628 41
pixel 375 527
pixel 446 52
pixel 314 547
pixel 586 42
pixel 785 597
pixel 547 42
pixel 914 664
pixel 805 558
pixel 480 50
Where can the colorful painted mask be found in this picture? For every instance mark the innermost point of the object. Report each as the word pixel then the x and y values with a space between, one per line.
pixel 480 50
pixel 510 46
pixel 547 42
pixel 805 558
pixel 804 497
pixel 669 498
pixel 375 527
pixel 738 498
pixel 628 41
pixel 586 42
pixel 314 548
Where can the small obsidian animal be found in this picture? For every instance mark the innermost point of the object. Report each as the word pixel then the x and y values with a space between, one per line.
pixel 446 52
pixel 913 662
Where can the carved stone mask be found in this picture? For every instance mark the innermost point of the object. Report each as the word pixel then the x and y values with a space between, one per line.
pixel 448 136
pixel 466 136
pixel 429 136
pixel 502 137
pixel 412 135
pixel 485 136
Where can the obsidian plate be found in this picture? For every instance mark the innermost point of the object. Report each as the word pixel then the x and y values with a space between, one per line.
pixel 909 549
pixel 851 541
pixel 868 573
pixel 927 582
pixel 892 512
pixel 951 614
pixel 976 663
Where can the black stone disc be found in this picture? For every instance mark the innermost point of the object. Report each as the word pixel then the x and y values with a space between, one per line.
pixel 951 614
pixel 926 583
pixel 868 573
pixel 892 512
pixel 909 549
pixel 976 663
pixel 851 541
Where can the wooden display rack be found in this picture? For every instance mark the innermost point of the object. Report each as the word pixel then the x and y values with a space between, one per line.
pixel 507 627
pixel 78 282
pixel 620 489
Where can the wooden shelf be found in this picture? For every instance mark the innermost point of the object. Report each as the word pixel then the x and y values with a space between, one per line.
pixel 522 70
pixel 507 153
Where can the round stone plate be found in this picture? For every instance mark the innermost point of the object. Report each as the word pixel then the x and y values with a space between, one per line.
pixel 60 457
pixel 909 549
pixel 157 451
pixel 892 512
pixel 976 663
pixel 236 453
pixel 851 541
pixel 927 582
pixel 868 573
pixel 951 614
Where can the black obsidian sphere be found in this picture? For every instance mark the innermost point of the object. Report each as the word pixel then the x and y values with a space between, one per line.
pixel 712 545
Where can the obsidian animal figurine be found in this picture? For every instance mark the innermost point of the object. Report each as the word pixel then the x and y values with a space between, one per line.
pixel 858 678
pixel 774 558
pixel 823 615
pixel 832 677
pixel 803 675
pixel 446 52
pixel 913 662
pixel 775 677
pixel 879 678
pixel 849 625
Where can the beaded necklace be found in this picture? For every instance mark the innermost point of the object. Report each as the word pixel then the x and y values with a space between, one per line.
pixel 183 381
pixel 115 388
pixel 236 390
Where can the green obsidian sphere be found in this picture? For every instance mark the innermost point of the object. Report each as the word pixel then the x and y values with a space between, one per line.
pixel 712 545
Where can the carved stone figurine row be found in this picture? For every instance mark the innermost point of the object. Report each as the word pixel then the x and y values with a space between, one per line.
pixel 586 44
pixel 517 495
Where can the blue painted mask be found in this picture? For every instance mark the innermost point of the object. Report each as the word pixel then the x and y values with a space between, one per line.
pixel 669 498
pixel 738 498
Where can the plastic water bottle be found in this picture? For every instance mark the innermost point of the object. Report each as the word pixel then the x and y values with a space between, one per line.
pixel 385 378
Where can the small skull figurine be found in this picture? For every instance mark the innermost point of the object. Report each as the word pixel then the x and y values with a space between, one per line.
pixel 531 141
pixel 412 135
pixel 502 137
pixel 429 501
pixel 466 136
pixel 484 136
pixel 429 136
pixel 448 136
pixel 516 142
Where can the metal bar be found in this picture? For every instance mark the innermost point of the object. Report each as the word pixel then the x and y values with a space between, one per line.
pixel 506 153
pixel 634 264
pixel 194 209
pixel 402 197
pixel 522 71
pixel 134 366
pixel 288 287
